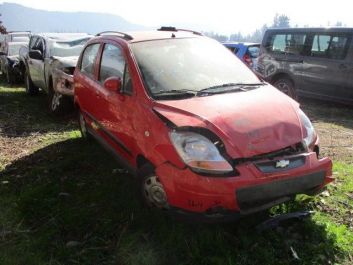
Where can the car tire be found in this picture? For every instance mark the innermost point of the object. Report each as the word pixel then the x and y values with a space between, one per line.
pixel 83 126
pixel 151 190
pixel 59 104
pixel 9 78
pixel 31 89
pixel 286 86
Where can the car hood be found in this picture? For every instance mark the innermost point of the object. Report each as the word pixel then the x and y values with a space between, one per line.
pixel 249 123
pixel 67 61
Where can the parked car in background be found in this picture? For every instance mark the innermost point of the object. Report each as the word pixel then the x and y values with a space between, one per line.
pixel 10 64
pixel 310 62
pixel 204 135
pixel 246 51
pixel 50 63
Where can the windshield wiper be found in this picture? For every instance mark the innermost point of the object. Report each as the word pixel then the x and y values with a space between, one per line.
pixel 228 87
pixel 175 93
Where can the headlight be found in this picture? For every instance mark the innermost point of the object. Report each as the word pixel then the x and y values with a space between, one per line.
pixel 199 153
pixel 309 128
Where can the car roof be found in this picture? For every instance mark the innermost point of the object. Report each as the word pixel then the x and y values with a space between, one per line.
pixel 319 29
pixel 13 43
pixel 139 36
pixel 62 36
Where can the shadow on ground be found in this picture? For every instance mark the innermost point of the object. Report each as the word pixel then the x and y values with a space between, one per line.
pixel 23 115
pixel 70 203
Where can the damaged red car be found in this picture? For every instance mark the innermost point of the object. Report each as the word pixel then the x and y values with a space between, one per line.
pixel 204 135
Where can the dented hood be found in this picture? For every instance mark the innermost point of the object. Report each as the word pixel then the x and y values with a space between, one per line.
pixel 67 61
pixel 249 123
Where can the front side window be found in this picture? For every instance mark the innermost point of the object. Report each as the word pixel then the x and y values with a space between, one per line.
pixel 112 63
pixel 287 43
pixel 89 59
pixel 329 46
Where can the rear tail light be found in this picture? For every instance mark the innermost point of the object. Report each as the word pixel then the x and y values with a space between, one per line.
pixel 247 60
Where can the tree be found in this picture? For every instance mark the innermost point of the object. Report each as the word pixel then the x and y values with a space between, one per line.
pixel 2 28
pixel 281 21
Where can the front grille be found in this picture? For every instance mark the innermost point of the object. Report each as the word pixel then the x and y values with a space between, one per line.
pixel 287 151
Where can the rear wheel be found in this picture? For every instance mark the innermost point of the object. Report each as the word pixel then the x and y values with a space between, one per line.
pixel 31 89
pixel 286 86
pixel 9 77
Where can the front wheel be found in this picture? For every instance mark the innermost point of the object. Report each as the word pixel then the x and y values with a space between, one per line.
pixel 59 104
pixel 152 191
pixel 286 86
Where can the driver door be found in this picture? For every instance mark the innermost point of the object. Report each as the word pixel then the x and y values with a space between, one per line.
pixel 36 67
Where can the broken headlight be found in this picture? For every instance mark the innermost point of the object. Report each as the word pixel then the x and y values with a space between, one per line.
pixel 199 153
pixel 310 137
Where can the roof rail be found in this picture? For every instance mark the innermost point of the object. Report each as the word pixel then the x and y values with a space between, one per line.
pixel 174 29
pixel 109 32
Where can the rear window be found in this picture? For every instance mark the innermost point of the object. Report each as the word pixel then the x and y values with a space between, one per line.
pixel 292 43
pixel 89 58
pixel 331 46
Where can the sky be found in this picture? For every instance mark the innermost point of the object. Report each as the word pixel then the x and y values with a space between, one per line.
pixel 221 16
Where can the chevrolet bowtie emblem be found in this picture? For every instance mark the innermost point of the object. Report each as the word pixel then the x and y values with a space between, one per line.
pixel 282 163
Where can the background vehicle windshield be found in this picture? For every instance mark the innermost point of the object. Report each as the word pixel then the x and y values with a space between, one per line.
pixel 67 48
pixel 188 64
pixel 14 49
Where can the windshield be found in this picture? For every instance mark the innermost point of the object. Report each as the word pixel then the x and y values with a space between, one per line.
pixel 14 49
pixel 189 64
pixel 67 48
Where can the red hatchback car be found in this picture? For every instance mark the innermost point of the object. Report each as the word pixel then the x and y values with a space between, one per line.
pixel 204 136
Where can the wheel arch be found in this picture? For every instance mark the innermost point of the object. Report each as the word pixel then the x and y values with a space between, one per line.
pixel 284 75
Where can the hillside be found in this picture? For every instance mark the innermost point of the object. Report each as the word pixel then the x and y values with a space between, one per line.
pixel 18 17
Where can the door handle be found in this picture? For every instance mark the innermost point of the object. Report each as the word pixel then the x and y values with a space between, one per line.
pixel 30 62
pixel 98 95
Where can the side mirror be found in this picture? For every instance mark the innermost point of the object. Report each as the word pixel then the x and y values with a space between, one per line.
pixel 113 83
pixel 35 54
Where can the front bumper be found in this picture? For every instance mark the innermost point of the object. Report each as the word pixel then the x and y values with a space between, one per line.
pixel 250 191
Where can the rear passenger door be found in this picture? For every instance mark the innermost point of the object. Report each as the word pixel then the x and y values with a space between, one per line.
pixel 326 66
pixel 86 82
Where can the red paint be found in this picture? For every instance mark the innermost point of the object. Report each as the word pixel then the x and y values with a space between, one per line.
pixel 249 124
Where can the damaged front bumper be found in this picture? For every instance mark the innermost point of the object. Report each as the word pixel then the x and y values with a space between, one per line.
pixel 217 198
pixel 63 83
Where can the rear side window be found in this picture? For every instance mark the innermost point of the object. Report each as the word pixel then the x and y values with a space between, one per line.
pixel 292 43
pixel 88 59
pixel 329 46
pixel 112 63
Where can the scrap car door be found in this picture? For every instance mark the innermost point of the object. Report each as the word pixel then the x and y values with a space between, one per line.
pixel 36 67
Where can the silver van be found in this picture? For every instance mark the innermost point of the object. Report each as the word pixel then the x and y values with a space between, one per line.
pixel 310 62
